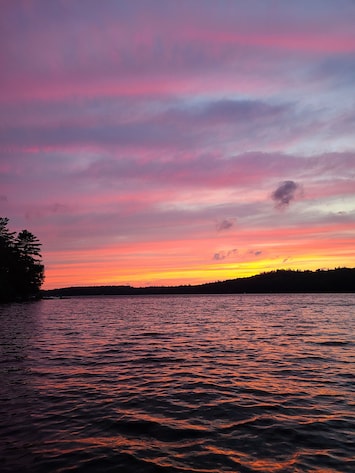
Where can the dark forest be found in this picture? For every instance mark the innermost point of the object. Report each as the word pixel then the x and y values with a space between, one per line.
pixel 280 281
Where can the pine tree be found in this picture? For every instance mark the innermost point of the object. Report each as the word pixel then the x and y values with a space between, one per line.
pixel 21 269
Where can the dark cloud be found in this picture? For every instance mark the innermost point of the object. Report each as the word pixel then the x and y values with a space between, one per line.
pixel 255 252
pixel 285 193
pixel 219 256
pixel 3 198
pixel 224 225
pixel 224 254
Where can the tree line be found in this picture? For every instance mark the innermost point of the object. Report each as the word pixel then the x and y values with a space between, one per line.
pixel 279 281
pixel 21 268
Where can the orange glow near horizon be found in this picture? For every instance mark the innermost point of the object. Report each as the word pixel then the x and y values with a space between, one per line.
pixel 203 258
pixel 166 265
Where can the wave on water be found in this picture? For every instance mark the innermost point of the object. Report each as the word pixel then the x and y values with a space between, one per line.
pixel 202 384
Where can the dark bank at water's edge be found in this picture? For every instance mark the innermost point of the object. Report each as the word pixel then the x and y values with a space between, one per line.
pixel 280 281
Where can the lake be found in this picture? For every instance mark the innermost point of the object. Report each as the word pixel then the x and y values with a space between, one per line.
pixel 219 383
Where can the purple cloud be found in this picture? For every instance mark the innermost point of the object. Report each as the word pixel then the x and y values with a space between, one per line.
pixel 285 193
pixel 157 124
pixel 221 255
pixel 224 225
pixel 255 252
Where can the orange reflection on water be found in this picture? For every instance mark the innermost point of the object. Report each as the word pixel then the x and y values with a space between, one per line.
pixel 295 463
pixel 271 466
pixel 265 465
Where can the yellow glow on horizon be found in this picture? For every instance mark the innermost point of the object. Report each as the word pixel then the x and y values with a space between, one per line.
pixel 85 274
pixel 201 260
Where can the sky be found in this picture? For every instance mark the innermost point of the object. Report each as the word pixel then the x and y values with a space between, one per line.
pixel 164 142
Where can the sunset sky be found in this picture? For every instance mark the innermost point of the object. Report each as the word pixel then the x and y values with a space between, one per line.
pixel 168 142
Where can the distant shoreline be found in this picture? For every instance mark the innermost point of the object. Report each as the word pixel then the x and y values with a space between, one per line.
pixel 279 281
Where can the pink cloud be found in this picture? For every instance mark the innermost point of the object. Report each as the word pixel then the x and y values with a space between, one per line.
pixel 172 47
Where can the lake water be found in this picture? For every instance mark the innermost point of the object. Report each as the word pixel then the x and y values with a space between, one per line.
pixel 236 383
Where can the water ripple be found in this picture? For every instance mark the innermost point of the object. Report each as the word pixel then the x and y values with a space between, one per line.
pixel 178 384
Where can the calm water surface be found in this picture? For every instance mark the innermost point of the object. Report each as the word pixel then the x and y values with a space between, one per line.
pixel 237 383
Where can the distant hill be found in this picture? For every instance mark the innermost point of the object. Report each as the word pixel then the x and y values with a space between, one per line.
pixel 279 281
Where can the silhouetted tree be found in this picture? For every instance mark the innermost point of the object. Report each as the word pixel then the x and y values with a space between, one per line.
pixel 21 269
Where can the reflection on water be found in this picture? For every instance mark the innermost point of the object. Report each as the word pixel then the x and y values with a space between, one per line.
pixel 244 383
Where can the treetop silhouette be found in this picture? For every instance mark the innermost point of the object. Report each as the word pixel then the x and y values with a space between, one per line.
pixel 21 269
